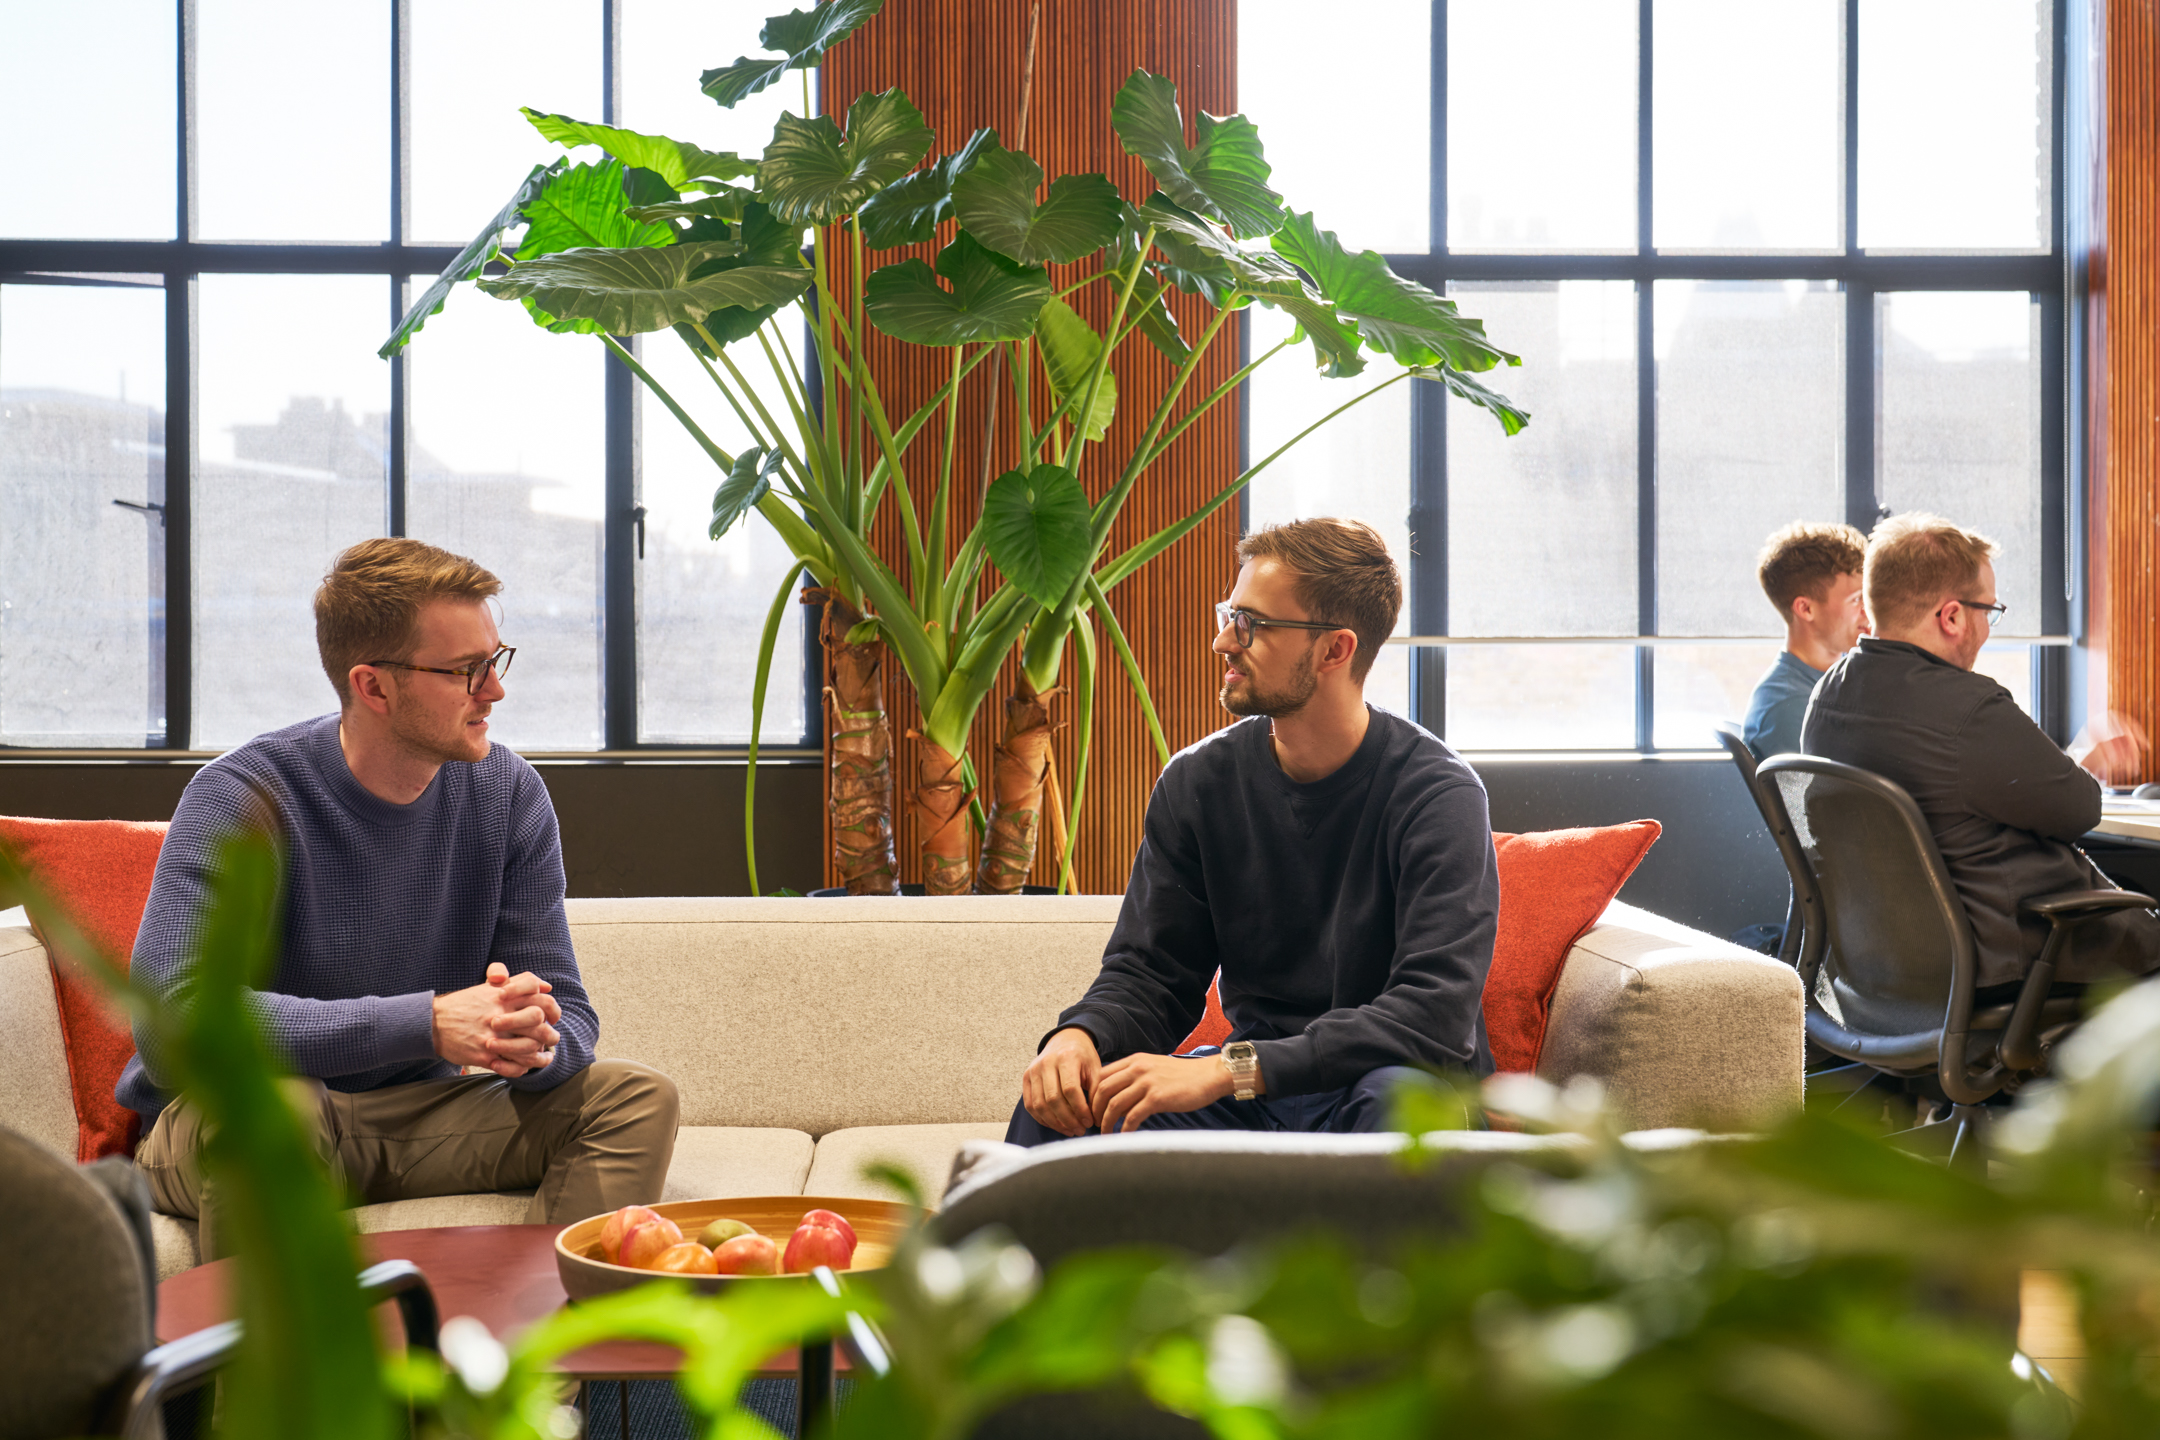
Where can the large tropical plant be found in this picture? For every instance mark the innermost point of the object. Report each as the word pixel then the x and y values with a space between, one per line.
pixel 661 234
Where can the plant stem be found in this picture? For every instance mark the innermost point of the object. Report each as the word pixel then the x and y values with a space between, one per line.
pixel 757 715
pixel 1132 669
pixel 1084 723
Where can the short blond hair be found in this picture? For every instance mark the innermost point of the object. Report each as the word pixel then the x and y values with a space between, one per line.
pixel 1345 577
pixel 1915 562
pixel 1805 558
pixel 368 607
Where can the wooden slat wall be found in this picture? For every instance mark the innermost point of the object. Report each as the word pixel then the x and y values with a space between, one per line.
pixel 960 61
pixel 2126 412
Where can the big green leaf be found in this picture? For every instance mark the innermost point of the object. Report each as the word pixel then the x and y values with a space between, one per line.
pixel 992 298
pixel 745 485
pixel 800 35
pixel 811 174
pixel 725 204
pixel 1396 315
pixel 1335 341
pixel 1224 176
pixel 908 211
pixel 995 201
pixel 1201 259
pixel 678 162
pixel 628 292
pixel 1150 310
pixel 1069 350
pixel 584 208
pixel 469 260
pixel 1511 416
pixel 1035 525
pixel 757 239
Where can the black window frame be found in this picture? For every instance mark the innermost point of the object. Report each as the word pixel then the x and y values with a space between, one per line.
pixel 175 266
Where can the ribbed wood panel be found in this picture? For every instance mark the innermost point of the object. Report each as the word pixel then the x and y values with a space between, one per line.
pixel 960 61
pixel 2128 418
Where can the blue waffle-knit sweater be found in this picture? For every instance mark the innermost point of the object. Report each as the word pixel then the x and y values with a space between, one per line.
pixel 385 907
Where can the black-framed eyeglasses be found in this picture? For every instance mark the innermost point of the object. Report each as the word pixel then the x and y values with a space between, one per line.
pixel 1242 623
pixel 475 674
pixel 1994 612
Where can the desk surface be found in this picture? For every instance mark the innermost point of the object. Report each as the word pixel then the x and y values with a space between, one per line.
pixel 2129 819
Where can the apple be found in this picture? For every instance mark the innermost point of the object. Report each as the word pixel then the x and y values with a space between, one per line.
pixel 713 1236
pixel 751 1254
pixel 611 1234
pixel 832 1221
pixel 642 1244
pixel 814 1245
pixel 688 1258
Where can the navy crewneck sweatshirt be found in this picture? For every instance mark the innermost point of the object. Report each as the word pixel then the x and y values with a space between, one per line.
pixel 385 906
pixel 1353 918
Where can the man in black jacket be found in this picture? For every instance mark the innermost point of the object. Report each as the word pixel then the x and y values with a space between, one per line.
pixel 2005 805
pixel 1335 861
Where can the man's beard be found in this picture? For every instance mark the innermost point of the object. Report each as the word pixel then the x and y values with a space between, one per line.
pixel 416 741
pixel 1290 699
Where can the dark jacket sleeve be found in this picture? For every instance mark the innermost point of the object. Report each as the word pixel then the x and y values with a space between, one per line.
pixel 1447 913
pixel 2010 772
pixel 532 932
pixel 1162 954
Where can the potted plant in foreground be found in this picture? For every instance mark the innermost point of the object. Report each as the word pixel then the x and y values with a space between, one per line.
pixel 660 234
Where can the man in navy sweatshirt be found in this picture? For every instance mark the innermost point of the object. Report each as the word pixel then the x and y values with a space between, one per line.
pixel 1335 861
pixel 426 990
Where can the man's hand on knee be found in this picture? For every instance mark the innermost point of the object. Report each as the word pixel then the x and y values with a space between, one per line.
pixel 1058 1086
pixel 1138 1086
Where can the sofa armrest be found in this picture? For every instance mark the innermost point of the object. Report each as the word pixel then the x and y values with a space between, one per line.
pixel 1683 1028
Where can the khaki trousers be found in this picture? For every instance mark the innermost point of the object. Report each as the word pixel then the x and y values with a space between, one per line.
pixel 600 1140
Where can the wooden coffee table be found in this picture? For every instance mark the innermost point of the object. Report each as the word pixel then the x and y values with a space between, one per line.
pixel 504 1276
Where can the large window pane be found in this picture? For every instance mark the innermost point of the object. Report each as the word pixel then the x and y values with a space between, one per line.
pixel 702 603
pixel 1954 127
pixel 470 73
pixel 1541 125
pixel 666 44
pixel 1541 697
pixel 1357 466
pixel 293 121
pixel 1699 685
pixel 1751 429
pixel 1959 425
pixel 82 579
pixel 508 466
pixel 79 81
pixel 1746 117
pixel 1361 157
pixel 291 469
pixel 1541 525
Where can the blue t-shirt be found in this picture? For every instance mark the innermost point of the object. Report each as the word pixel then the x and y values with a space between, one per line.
pixel 1780 704
pixel 386 906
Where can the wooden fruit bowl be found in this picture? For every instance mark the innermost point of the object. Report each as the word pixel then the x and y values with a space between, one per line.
pixel 879 1224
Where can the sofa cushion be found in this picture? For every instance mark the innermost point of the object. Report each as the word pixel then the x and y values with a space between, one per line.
pixel 34 1096
pixel 716 1160
pixel 1554 884
pixel 98 873
pixel 1681 1027
pixel 923 1151
pixel 818 1014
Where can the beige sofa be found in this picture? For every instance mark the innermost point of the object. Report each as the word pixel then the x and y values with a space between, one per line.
pixel 810 1036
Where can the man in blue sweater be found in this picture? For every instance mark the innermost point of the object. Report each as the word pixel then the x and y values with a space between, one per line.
pixel 1333 860
pixel 426 990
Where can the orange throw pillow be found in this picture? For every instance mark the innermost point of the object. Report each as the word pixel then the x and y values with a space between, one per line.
pixel 1214 1026
pixel 1553 886
pixel 98 872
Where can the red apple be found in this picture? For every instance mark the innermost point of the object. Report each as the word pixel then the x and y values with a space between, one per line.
pixel 688 1258
pixel 814 1245
pixel 830 1220
pixel 747 1255
pixel 611 1234
pixel 642 1244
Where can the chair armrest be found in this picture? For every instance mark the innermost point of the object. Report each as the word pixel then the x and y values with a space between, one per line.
pixel 2084 902
pixel 170 1371
pixel 401 1280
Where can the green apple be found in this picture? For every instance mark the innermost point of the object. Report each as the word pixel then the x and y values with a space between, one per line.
pixel 713 1236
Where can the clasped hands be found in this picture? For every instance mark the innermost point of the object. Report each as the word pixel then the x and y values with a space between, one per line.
pixel 1069 1089
pixel 505 1024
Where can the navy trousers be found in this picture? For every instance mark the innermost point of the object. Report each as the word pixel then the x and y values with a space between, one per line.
pixel 1358 1107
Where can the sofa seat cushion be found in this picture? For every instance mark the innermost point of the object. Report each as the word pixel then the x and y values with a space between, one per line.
pixel 923 1151
pixel 174 1241
pixel 717 1160
pixel 436 1212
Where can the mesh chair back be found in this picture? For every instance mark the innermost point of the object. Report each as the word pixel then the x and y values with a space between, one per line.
pixel 1758 789
pixel 1896 944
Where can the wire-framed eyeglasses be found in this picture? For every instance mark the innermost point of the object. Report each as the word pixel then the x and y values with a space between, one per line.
pixel 1994 612
pixel 1241 623
pixel 475 674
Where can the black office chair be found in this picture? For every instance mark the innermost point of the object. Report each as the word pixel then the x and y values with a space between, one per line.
pixel 1887 960
pixel 1780 832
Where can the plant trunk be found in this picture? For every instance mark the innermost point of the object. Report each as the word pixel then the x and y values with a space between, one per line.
pixel 941 818
pixel 862 778
pixel 1018 774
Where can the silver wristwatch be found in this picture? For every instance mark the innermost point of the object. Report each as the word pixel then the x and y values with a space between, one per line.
pixel 1243 1062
